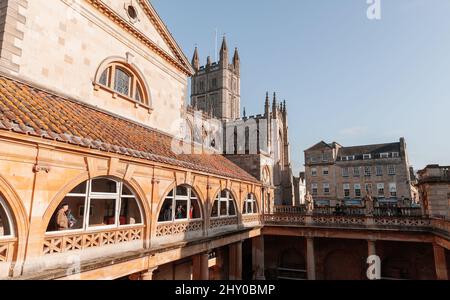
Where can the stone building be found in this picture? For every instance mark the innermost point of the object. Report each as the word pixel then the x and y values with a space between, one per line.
pixel 259 144
pixel 95 182
pixel 338 174
pixel 434 190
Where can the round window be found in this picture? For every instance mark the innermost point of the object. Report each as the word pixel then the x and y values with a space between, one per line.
pixel 132 12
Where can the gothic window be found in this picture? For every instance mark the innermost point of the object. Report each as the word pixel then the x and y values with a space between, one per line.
pixel 250 205
pixel 247 140
pixel 6 228
pixel 224 205
pixel 96 204
pixel 124 81
pixel 181 204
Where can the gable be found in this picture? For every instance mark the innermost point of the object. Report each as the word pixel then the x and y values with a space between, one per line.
pixel 146 27
pixel 319 146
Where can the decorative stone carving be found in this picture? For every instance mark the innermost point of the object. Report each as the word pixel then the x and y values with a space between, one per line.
pixel 309 203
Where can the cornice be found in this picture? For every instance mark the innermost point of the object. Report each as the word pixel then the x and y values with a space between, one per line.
pixel 181 64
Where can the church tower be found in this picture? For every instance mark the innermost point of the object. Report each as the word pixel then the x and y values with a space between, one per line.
pixel 216 87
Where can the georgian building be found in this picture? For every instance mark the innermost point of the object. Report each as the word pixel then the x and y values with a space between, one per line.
pixel 338 174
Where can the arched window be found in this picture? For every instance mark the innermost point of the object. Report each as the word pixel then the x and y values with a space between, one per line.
pixel 6 227
pixel 224 205
pixel 125 81
pixel 96 204
pixel 181 204
pixel 250 205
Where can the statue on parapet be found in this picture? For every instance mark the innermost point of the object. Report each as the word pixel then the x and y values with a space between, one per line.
pixel 309 201
pixel 368 204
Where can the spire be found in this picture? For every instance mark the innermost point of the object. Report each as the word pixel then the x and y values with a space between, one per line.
pixel 195 60
pixel 236 60
pixel 284 106
pixel 208 61
pixel 245 113
pixel 267 105
pixel 274 106
pixel 224 53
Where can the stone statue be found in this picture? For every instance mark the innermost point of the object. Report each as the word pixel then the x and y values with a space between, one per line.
pixel 368 204
pixel 309 201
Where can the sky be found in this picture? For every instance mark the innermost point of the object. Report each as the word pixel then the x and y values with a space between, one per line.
pixel 345 77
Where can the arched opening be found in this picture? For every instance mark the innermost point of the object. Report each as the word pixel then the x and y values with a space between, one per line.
pixel 181 204
pixel 291 265
pixel 250 205
pixel 6 223
pixel 98 203
pixel 123 79
pixel 224 205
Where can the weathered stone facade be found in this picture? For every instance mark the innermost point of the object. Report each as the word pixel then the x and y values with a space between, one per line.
pixel 434 189
pixel 337 174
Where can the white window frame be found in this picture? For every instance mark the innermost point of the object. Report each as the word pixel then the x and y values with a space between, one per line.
pixel 357 187
pixel 191 195
pixel 379 187
pixel 89 195
pixel 327 170
pixel 393 189
pixel 250 200
pixel 358 172
pixel 314 186
pixel 314 172
pixel 347 188
pixel 229 198
pixel 367 171
pixel 379 170
pixel 345 174
pixel 9 219
pixel 367 156
pixel 325 187
pixel 392 170
pixel 384 155
pixel 395 154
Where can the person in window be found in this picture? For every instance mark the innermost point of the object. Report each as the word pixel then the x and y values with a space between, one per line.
pixel 168 214
pixel 180 212
pixel 71 218
pixel 62 221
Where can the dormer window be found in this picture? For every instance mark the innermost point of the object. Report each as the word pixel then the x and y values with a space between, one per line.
pixel 122 80
pixel 384 155
pixel 367 156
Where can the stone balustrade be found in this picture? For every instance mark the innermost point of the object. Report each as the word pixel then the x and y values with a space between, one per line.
pixel 7 249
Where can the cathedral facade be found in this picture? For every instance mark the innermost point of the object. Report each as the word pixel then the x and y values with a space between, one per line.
pixel 259 144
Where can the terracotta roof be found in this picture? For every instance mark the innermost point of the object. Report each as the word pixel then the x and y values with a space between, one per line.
pixel 28 110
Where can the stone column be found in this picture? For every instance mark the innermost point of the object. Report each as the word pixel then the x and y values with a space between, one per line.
pixel 200 265
pixel 235 261
pixel 310 258
pixel 440 262
pixel 258 258
pixel 149 274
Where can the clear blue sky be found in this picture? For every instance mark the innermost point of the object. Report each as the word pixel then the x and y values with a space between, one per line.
pixel 346 78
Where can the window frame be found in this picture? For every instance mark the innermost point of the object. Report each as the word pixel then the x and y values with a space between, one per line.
pixel 89 195
pixel 175 198
pixel 9 218
pixel 251 199
pixel 136 83
pixel 228 199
